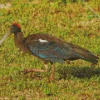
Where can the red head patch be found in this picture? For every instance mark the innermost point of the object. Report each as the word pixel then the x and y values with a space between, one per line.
pixel 16 24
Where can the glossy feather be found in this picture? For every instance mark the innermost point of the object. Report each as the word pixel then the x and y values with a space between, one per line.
pixel 56 50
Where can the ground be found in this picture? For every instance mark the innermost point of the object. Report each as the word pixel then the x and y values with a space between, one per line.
pixel 72 22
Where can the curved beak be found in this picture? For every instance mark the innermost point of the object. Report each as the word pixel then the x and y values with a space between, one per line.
pixel 4 37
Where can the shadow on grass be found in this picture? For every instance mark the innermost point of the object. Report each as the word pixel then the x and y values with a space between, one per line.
pixel 79 72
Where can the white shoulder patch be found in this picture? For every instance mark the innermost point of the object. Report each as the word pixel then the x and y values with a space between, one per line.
pixel 42 41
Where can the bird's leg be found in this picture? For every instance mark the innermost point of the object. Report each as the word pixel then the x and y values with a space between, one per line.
pixel 36 70
pixel 68 61
pixel 52 73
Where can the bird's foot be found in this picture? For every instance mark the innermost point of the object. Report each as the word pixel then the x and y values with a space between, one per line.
pixel 36 70
pixel 26 71
pixel 33 70
pixel 68 61
pixel 51 78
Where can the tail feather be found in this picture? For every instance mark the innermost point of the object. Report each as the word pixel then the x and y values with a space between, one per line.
pixel 84 54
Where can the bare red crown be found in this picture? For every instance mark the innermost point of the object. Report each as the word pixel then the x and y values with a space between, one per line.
pixel 16 24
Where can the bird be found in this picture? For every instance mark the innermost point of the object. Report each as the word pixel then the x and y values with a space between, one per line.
pixel 48 48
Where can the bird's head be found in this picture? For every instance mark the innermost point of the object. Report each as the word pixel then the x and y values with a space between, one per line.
pixel 14 28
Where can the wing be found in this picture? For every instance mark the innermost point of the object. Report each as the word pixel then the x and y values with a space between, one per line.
pixel 55 50
pixel 50 51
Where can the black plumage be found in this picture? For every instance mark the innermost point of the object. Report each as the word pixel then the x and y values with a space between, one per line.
pixel 56 50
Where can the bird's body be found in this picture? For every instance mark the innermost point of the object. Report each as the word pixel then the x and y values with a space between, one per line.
pixel 52 49
pixel 49 48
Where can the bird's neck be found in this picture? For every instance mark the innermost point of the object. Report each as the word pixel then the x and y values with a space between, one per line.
pixel 18 38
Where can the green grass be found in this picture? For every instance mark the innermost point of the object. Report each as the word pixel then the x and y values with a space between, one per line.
pixel 73 22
